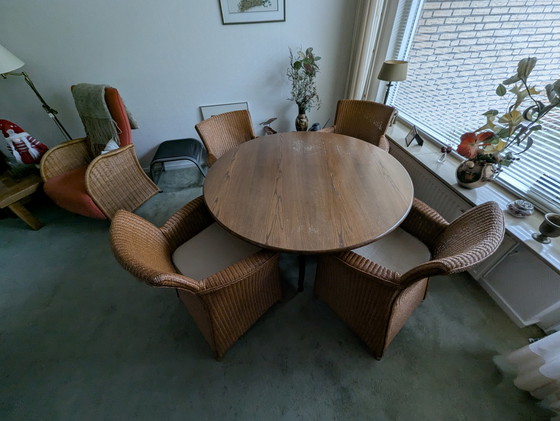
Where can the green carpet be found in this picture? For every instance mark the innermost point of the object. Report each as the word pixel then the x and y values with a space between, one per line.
pixel 81 339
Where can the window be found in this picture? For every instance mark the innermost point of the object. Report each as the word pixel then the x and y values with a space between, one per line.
pixel 458 53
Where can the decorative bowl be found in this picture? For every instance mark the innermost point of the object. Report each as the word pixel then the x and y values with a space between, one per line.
pixel 520 208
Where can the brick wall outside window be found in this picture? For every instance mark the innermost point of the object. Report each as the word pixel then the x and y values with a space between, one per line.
pixel 461 51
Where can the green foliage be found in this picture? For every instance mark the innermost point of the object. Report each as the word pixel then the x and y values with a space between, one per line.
pixel 302 72
pixel 501 90
pixel 514 127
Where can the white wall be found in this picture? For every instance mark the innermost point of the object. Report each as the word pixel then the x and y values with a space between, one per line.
pixel 167 58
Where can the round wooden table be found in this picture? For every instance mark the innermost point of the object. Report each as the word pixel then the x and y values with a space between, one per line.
pixel 308 192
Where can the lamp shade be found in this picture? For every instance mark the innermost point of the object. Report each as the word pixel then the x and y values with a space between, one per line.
pixel 393 70
pixel 8 62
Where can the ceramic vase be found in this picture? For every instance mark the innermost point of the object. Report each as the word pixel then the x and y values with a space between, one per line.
pixel 302 121
pixel 472 174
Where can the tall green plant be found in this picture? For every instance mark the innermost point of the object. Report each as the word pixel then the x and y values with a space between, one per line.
pixel 302 72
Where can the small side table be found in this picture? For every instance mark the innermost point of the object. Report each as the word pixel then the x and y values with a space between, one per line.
pixel 177 150
pixel 13 190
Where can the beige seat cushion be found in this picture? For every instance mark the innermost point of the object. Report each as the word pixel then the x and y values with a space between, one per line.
pixel 210 251
pixel 398 251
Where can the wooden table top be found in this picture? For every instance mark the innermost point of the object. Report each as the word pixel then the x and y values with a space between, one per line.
pixel 308 192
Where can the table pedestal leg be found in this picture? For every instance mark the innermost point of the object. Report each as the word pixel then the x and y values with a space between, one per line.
pixel 301 277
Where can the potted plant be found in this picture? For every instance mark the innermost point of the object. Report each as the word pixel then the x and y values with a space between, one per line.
pixel 302 72
pixel 486 148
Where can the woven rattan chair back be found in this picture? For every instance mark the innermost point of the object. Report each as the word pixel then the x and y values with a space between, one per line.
pixel 364 120
pixel 223 132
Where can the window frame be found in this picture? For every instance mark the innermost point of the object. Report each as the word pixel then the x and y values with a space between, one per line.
pixel 389 32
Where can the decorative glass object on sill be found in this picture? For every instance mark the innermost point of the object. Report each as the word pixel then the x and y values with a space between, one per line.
pixel 520 208
pixel 485 148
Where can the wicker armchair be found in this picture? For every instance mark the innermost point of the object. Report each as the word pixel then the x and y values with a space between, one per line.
pixel 364 120
pixel 226 285
pixel 97 187
pixel 223 132
pixel 376 288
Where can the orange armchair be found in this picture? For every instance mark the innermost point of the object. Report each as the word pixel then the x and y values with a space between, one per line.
pixel 97 187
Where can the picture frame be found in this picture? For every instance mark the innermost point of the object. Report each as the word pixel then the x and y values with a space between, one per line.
pixel 208 111
pixel 413 135
pixel 252 11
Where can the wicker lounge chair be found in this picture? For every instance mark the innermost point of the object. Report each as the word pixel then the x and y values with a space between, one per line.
pixel 226 284
pixel 97 187
pixel 376 288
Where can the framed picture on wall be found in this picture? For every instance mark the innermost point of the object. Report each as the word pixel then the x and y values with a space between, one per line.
pixel 252 11
pixel 211 110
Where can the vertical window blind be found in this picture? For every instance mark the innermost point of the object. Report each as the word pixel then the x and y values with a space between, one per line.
pixel 458 53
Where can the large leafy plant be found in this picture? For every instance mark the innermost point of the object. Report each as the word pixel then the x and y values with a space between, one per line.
pixel 302 72
pixel 489 142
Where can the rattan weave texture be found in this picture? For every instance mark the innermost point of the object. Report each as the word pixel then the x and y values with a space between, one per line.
pixel 65 157
pixel 364 120
pixel 376 302
pixel 223 132
pixel 113 181
pixel 223 305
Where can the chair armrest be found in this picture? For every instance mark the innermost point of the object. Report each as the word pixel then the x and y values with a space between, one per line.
pixel 373 271
pixel 327 130
pixel 424 223
pixel 65 157
pixel 425 270
pixel 384 143
pixel 116 180
pixel 145 243
pixel 468 240
pixel 187 222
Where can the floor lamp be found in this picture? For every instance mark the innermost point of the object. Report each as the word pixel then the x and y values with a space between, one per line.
pixel 392 71
pixel 9 63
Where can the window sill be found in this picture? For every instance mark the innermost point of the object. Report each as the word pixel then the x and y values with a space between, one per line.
pixel 519 228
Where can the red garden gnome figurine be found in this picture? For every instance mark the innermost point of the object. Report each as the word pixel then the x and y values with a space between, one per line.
pixel 24 147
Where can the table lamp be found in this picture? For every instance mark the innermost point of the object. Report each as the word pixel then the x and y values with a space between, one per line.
pixel 9 63
pixel 392 71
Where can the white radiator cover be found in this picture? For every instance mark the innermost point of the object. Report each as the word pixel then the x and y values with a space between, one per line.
pixel 529 292
pixel 429 189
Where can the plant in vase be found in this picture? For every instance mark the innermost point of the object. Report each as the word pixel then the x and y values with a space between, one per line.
pixel 302 72
pixel 486 149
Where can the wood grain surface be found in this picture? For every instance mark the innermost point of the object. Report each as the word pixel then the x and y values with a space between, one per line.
pixel 308 192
